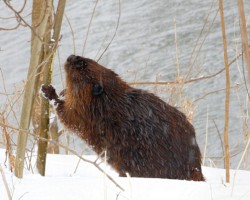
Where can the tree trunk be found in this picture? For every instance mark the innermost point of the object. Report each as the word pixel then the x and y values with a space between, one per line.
pixel 227 100
pixel 244 37
pixel 28 99
pixel 53 148
pixel 47 76
pixel 46 80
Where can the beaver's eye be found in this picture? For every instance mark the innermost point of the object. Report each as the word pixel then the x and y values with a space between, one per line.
pixel 97 90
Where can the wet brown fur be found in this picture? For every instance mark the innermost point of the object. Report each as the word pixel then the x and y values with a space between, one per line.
pixel 142 135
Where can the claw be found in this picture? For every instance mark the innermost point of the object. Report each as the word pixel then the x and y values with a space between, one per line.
pixel 49 92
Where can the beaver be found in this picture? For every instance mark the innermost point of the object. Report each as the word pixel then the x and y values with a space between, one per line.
pixel 141 134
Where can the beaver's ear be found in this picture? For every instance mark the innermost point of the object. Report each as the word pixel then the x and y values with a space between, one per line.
pixel 97 89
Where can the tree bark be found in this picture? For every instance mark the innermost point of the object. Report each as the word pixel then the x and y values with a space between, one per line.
pixel 28 99
pixel 227 100
pixel 244 37
pixel 47 77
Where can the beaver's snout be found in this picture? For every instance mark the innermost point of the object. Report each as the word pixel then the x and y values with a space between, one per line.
pixel 77 62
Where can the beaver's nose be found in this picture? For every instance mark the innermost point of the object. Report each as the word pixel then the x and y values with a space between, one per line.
pixel 77 62
pixel 71 58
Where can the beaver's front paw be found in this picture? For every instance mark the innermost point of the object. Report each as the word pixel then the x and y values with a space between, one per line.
pixel 49 92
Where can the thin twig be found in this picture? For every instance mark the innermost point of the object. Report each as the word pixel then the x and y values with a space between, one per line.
pixel 21 19
pixel 201 32
pixel 212 92
pixel 5 183
pixel 244 36
pixel 244 78
pixel 6 94
pixel 83 159
pixel 15 17
pixel 77 165
pixel 103 42
pixel 244 39
pixel 188 81
pixel 227 100
pixel 116 28
pixel 176 52
pixel 24 4
pixel 206 137
pixel 5 90
pixel 8 146
pixel 72 33
pixel 60 67
pixel 10 29
pixel 221 142
pixel 203 41
pixel 178 79
pixel 239 164
pixel 65 147
pixel 90 22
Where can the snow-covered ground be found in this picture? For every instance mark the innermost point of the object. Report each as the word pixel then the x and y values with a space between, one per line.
pixel 144 49
pixel 61 183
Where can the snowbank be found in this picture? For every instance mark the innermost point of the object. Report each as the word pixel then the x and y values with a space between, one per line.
pixel 62 183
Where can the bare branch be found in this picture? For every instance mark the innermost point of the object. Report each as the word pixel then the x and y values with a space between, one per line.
pixel 90 22
pixel 72 32
pixel 19 17
pixel 116 28
pixel 227 100
pixel 203 41
pixel 221 142
pixel 188 81
pixel 24 4
pixel 244 36
pixel 8 99
pixel 10 29
pixel 213 92
pixel 65 147
pixel 5 183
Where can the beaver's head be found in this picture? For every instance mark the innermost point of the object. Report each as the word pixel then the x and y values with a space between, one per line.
pixel 87 77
